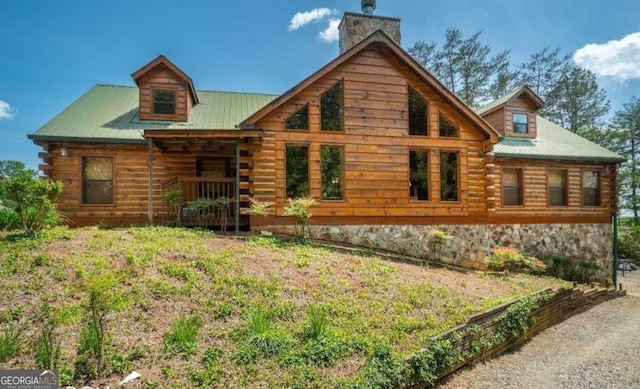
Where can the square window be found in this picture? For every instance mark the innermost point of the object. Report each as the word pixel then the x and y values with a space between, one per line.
pixel 164 102
pixel 520 123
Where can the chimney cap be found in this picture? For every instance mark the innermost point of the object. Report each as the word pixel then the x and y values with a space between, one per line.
pixel 368 6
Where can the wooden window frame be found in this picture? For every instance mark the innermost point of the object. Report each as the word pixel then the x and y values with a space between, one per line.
pixel 429 186
pixel 166 88
pixel 113 180
pixel 599 189
pixel 458 153
pixel 451 122
pixel 284 123
pixel 426 106
pixel 521 174
pixel 566 187
pixel 342 122
pixel 513 122
pixel 308 146
pixel 342 173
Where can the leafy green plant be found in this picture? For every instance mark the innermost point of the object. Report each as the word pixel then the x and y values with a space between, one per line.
pixel 259 208
pixel 102 288
pixel 262 335
pixel 224 204
pixel 437 240
pixel 317 323
pixel 32 198
pixel 510 259
pixel 174 199
pixel 48 347
pixel 300 209
pixel 10 341
pixel 201 207
pixel 9 219
pixel 183 337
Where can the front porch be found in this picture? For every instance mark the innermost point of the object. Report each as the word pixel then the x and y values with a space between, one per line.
pixel 213 192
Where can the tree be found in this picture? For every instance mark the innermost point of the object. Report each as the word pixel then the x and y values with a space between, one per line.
pixel 464 65
pixel 505 81
pixel 577 99
pixel 543 71
pixel 30 197
pixel 626 132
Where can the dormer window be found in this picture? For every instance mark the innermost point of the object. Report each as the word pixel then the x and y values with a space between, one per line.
pixel 164 102
pixel 520 123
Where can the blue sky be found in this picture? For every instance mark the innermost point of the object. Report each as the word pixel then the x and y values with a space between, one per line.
pixel 51 52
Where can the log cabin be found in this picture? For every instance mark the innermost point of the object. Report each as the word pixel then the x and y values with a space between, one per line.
pixel 388 151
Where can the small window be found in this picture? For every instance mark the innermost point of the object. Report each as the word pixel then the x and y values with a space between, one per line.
pixel 512 187
pixel 448 176
pixel 520 123
pixel 332 173
pixel 417 114
pixel 299 120
pixel 419 175
pixel 590 189
pixel 557 187
pixel 97 180
pixel 447 129
pixel 164 102
pixel 331 108
pixel 297 161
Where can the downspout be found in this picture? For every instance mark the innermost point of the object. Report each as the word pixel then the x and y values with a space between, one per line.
pixel 150 199
pixel 615 249
pixel 236 212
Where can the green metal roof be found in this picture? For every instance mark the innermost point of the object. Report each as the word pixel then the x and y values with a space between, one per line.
pixel 554 142
pixel 497 102
pixel 109 113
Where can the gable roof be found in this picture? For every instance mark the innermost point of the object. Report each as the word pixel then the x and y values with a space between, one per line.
pixel 379 39
pixel 109 114
pixel 554 142
pixel 161 59
pixel 502 101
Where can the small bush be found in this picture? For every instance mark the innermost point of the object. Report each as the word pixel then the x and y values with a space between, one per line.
pixel 436 241
pixel 262 335
pixel 317 323
pixel 629 243
pixel 183 338
pixel 10 341
pixel 300 209
pixel 259 208
pixel 510 259
pixel 9 219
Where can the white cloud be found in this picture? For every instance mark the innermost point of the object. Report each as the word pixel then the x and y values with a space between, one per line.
pixel 6 111
pixel 303 18
pixel 331 33
pixel 618 59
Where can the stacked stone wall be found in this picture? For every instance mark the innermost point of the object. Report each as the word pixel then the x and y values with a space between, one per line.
pixel 470 244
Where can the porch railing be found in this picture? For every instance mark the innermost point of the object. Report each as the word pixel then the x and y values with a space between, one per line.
pixel 182 211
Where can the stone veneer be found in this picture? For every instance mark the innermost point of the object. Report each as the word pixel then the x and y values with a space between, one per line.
pixel 472 243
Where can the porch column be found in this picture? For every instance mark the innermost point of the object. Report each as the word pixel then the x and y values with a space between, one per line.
pixel 150 200
pixel 236 213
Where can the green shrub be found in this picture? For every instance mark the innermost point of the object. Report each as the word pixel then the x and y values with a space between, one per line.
pixel 579 271
pixel 9 219
pixel 183 338
pixel 262 335
pixel 506 258
pixel 300 209
pixel 10 341
pixel 259 208
pixel 317 323
pixel 629 243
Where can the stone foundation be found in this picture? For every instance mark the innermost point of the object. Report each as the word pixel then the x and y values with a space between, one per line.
pixel 472 243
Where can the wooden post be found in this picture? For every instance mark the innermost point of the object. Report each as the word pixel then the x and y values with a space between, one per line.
pixel 236 213
pixel 150 200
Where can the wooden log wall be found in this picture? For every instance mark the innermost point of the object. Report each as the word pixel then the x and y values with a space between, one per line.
pixel 564 304
pixel 376 145
pixel 535 191
pixel 130 179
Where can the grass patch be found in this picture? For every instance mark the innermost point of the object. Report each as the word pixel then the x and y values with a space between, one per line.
pixel 201 311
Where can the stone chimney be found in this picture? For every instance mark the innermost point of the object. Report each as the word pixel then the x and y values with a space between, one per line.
pixel 354 28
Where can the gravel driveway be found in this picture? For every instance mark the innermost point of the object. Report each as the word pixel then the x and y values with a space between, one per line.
pixel 596 349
